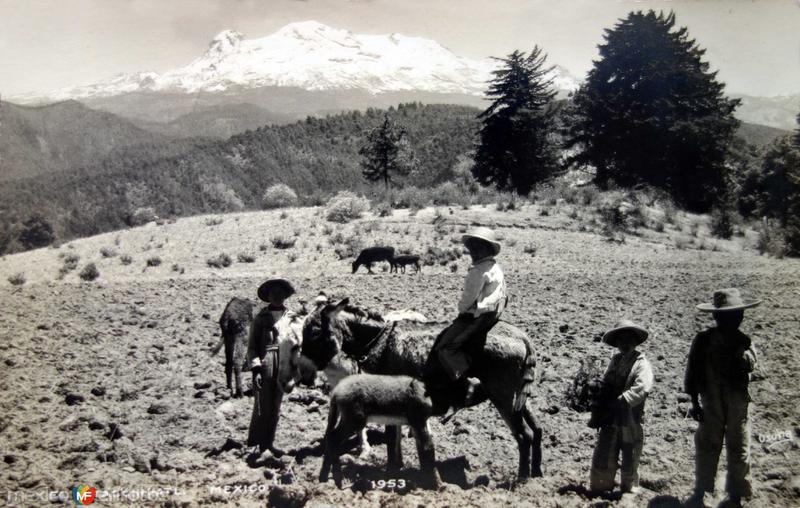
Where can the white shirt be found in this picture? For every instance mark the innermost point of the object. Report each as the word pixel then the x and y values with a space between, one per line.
pixel 484 289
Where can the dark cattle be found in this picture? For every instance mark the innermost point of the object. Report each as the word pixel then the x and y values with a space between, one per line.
pixel 403 261
pixel 373 255
pixel 234 325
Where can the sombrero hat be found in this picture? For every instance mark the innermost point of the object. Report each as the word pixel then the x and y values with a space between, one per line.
pixel 726 300
pixel 282 284
pixel 625 325
pixel 485 234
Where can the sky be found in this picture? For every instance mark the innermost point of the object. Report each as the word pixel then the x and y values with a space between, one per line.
pixel 50 44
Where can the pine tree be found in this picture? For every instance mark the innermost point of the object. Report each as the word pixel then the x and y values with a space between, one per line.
pixel 386 152
pixel 516 148
pixel 797 132
pixel 651 112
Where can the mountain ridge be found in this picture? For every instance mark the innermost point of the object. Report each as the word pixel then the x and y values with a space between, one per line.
pixel 311 56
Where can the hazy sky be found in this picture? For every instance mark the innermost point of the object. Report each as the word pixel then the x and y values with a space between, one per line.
pixel 48 44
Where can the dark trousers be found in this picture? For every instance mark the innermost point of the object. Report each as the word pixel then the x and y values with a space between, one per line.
pixel 267 406
pixel 452 342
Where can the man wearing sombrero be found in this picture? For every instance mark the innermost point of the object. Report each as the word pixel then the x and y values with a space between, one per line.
pixel 720 361
pixel 262 358
pixel 626 383
pixel 482 302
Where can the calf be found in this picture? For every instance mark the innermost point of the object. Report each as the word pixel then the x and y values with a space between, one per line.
pixel 234 325
pixel 372 255
pixel 403 261
pixel 391 400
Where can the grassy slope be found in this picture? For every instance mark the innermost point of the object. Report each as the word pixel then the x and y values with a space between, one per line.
pixel 147 330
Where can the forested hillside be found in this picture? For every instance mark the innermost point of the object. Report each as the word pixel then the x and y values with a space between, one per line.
pixel 189 177
pixel 64 136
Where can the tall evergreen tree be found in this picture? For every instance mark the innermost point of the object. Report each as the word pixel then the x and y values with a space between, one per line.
pixel 651 112
pixel 516 148
pixel 386 152
pixel 797 132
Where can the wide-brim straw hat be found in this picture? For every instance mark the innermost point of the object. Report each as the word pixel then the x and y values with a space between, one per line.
pixel 282 284
pixel 485 234
pixel 727 299
pixel 625 325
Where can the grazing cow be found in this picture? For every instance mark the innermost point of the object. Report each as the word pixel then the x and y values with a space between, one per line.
pixel 372 255
pixel 235 326
pixel 394 400
pixel 402 261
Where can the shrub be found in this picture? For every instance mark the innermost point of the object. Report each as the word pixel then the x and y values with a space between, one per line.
pixel 292 256
pixel 449 193
pixel 722 221
pixel 214 221
pixel 89 272
pixel 437 255
pixel 71 261
pixel 530 249
pixel 282 242
pixel 17 279
pixel 347 247
pixel 245 257
pixel 585 385
pixel 220 261
pixel 125 259
pixel 771 239
pixel 382 209
pixel 142 215
pixel 620 214
pixel 411 197
pixel 36 232
pixel 279 196
pixel 107 252
pixel 153 261
pixel 681 242
pixel 345 206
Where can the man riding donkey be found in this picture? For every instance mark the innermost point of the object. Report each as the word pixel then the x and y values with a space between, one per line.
pixel 262 358
pixel 479 309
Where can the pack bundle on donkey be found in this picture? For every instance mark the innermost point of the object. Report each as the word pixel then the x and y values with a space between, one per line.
pixel 505 365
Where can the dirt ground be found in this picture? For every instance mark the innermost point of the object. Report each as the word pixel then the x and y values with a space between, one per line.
pixel 110 383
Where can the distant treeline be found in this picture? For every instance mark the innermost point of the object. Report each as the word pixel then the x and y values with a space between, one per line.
pixel 315 157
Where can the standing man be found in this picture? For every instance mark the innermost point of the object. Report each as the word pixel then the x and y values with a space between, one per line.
pixel 718 371
pixel 262 358
pixel 627 382
pixel 482 302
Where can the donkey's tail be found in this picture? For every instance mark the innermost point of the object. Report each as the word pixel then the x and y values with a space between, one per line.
pixel 528 382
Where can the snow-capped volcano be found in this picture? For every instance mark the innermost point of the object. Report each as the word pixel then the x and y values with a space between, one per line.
pixel 311 56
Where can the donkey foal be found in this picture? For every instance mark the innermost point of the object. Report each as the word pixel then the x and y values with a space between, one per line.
pixel 389 400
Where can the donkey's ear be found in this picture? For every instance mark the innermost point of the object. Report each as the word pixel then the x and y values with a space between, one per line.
pixel 344 302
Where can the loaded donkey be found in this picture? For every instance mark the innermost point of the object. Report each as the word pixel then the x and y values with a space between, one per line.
pixel 504 366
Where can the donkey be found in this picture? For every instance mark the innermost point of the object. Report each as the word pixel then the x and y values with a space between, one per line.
pixel 402 261
pixel 234 326
pixel 372 255
pixel 505 365
pixel 363 398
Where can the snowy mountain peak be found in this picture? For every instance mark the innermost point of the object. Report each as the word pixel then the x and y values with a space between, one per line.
pixel 225 42
pixel 312 56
